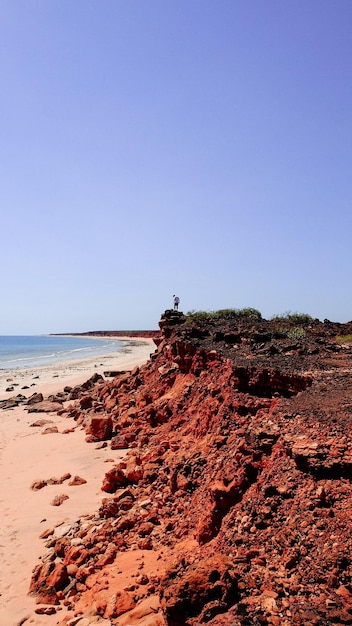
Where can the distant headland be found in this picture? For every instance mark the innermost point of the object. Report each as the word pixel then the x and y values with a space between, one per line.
pixel 147 334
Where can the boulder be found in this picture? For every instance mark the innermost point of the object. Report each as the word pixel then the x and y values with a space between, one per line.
pixel 114 479
pixel 36 397
pixel 44 406
pixel 99 428
pixel 202 590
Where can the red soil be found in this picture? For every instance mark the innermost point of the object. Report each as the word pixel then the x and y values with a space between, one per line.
pixel 233 505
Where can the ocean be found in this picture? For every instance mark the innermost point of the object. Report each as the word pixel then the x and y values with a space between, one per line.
pixel 18 352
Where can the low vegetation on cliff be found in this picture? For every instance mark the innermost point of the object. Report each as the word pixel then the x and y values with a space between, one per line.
pixel 223 314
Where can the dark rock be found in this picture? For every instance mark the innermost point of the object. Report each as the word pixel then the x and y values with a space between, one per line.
pixel 44 406
pixel 200 590
pixel 35 398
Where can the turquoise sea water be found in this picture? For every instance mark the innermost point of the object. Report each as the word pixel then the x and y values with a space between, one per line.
pixel 18 352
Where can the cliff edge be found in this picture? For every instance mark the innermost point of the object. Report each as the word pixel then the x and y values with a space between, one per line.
pixel 233 503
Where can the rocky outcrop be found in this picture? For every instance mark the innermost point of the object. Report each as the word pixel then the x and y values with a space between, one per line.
pixel 201 590
pixel 235 492
pixel 36 403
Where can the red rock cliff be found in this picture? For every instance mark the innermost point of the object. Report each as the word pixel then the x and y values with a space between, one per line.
pixel 236 491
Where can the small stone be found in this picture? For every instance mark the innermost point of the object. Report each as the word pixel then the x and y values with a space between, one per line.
pixel 77 480
pixel 38 484
pixel 45 610
pixel 58 500
pixel 50 430
pixel 46 533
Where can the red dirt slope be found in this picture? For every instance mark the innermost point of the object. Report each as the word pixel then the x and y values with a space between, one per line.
pixel 233 505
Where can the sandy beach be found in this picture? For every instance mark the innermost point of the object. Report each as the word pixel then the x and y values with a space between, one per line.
pixel 29 454
pixel 52 378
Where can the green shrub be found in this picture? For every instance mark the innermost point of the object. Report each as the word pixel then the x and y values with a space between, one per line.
pixel 296 332
pixel 225 314
pixel 301 319
pixel 343 338
pixel 229 314
pixel 198 316
pixel 253 314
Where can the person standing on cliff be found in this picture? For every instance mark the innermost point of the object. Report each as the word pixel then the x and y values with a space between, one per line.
pixel 176 302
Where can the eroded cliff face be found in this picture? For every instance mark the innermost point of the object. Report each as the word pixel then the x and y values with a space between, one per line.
pixel 234 500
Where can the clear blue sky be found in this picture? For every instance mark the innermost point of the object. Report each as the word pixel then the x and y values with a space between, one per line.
pixel 153 147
